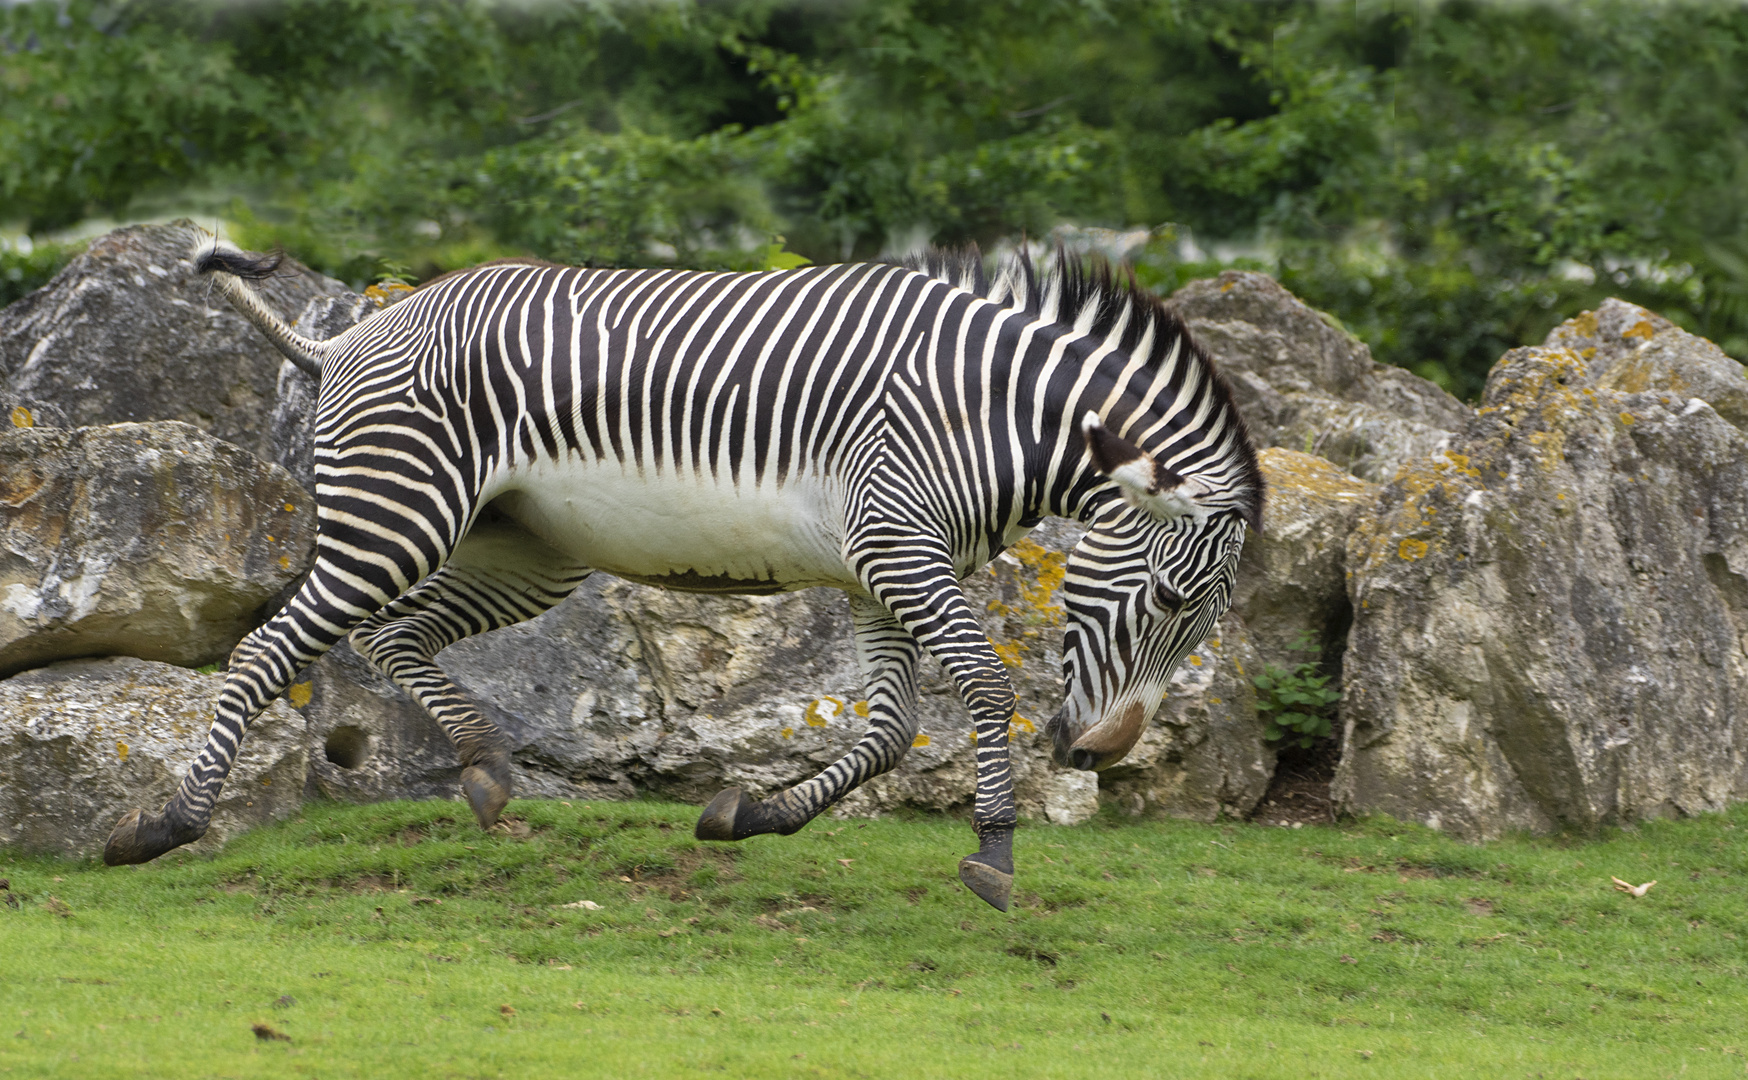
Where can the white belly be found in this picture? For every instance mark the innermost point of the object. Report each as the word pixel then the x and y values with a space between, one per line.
pixel 682 530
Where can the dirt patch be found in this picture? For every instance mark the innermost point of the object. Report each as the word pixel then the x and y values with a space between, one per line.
pixel 676 880
pixel 513 827
pixel 1299 793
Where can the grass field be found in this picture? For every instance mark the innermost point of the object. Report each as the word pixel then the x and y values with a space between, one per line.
pixel 399 941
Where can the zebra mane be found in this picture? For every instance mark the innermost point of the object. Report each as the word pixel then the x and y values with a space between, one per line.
pixel 1107 303
pixel 1085 294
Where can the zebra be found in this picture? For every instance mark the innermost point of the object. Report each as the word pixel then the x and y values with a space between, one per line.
pixel 484 445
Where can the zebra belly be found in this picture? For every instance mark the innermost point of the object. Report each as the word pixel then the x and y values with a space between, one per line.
pixel 680 531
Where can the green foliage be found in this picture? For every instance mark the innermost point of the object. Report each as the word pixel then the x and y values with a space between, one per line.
pixel 386 940
pixel 1447 178
pixel 30 269
pixel 1297 702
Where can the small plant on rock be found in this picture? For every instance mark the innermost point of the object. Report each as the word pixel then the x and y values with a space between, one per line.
pixel 1297 702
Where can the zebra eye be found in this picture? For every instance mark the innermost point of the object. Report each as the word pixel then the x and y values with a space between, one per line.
pixel 1166 596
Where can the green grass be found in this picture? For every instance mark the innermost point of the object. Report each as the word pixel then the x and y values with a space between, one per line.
pixel 1159 949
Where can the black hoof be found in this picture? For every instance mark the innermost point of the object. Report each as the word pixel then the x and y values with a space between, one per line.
pixel 719 818
pixel 140 837
pixel 994 885
pixel 990 872
pixel 486 783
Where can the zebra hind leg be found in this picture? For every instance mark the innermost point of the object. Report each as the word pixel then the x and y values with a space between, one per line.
pixel 887 655
pixel 498 576
pixel 341 591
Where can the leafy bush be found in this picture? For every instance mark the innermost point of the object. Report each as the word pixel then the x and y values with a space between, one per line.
pixel 24 271
pixel 1447 178
pixel 1297 702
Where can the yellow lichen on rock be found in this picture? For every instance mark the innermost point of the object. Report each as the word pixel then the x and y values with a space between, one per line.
pixel 815 715
pixel 1046 570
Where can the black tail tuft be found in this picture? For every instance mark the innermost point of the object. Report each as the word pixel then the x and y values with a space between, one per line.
pixel 240 264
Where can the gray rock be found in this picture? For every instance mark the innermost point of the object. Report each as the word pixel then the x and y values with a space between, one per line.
pixel 128 332
pixel 1292 578
pixel 625 688
pixel 84 741
pixel 1303 383
pixel 1624 347
pixel 149 540
pixel 1550 621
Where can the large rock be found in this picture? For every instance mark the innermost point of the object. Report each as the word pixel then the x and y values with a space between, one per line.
pixel 128 332
pixel 84 741
pixel 1625 347
pixel 1551 620
pixel 1292 578
pixel 148 540
pixel 625 688
pixel 1304 384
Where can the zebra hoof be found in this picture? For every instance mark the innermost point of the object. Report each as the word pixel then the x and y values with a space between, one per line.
pixel 994 885
pixel 717 821
pixel 485 793
pixel 140 837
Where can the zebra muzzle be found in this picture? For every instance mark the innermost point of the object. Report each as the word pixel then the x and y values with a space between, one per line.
pixel 1108 741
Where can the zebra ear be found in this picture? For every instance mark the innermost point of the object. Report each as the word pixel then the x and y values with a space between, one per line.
pixel 1145 483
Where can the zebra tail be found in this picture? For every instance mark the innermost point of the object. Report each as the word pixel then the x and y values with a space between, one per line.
pixel 232 271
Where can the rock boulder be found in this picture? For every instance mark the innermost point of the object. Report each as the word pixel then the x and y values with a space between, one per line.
pixel 84 741
pixel 1292 578
pixel 1303 383
pixel 149 540
pixel 128 332
pixel 1551 619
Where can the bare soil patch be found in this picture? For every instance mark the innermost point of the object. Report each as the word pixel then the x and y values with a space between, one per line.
pixel 1299 793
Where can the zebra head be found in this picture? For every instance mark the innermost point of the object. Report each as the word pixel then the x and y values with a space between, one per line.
pixel 1144 586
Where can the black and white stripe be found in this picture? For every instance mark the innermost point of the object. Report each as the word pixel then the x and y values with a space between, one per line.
pixel 485 444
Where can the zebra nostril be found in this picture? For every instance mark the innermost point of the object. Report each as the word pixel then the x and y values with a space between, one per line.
pixel 1083 759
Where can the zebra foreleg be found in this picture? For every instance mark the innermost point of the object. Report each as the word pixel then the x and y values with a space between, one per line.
pixel 340 592
pixel 887 655
pixel 926 599
pixel 499 575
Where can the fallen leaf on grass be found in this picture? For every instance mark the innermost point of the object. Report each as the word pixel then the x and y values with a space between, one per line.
pixel 267 1033
pixel 1631 889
